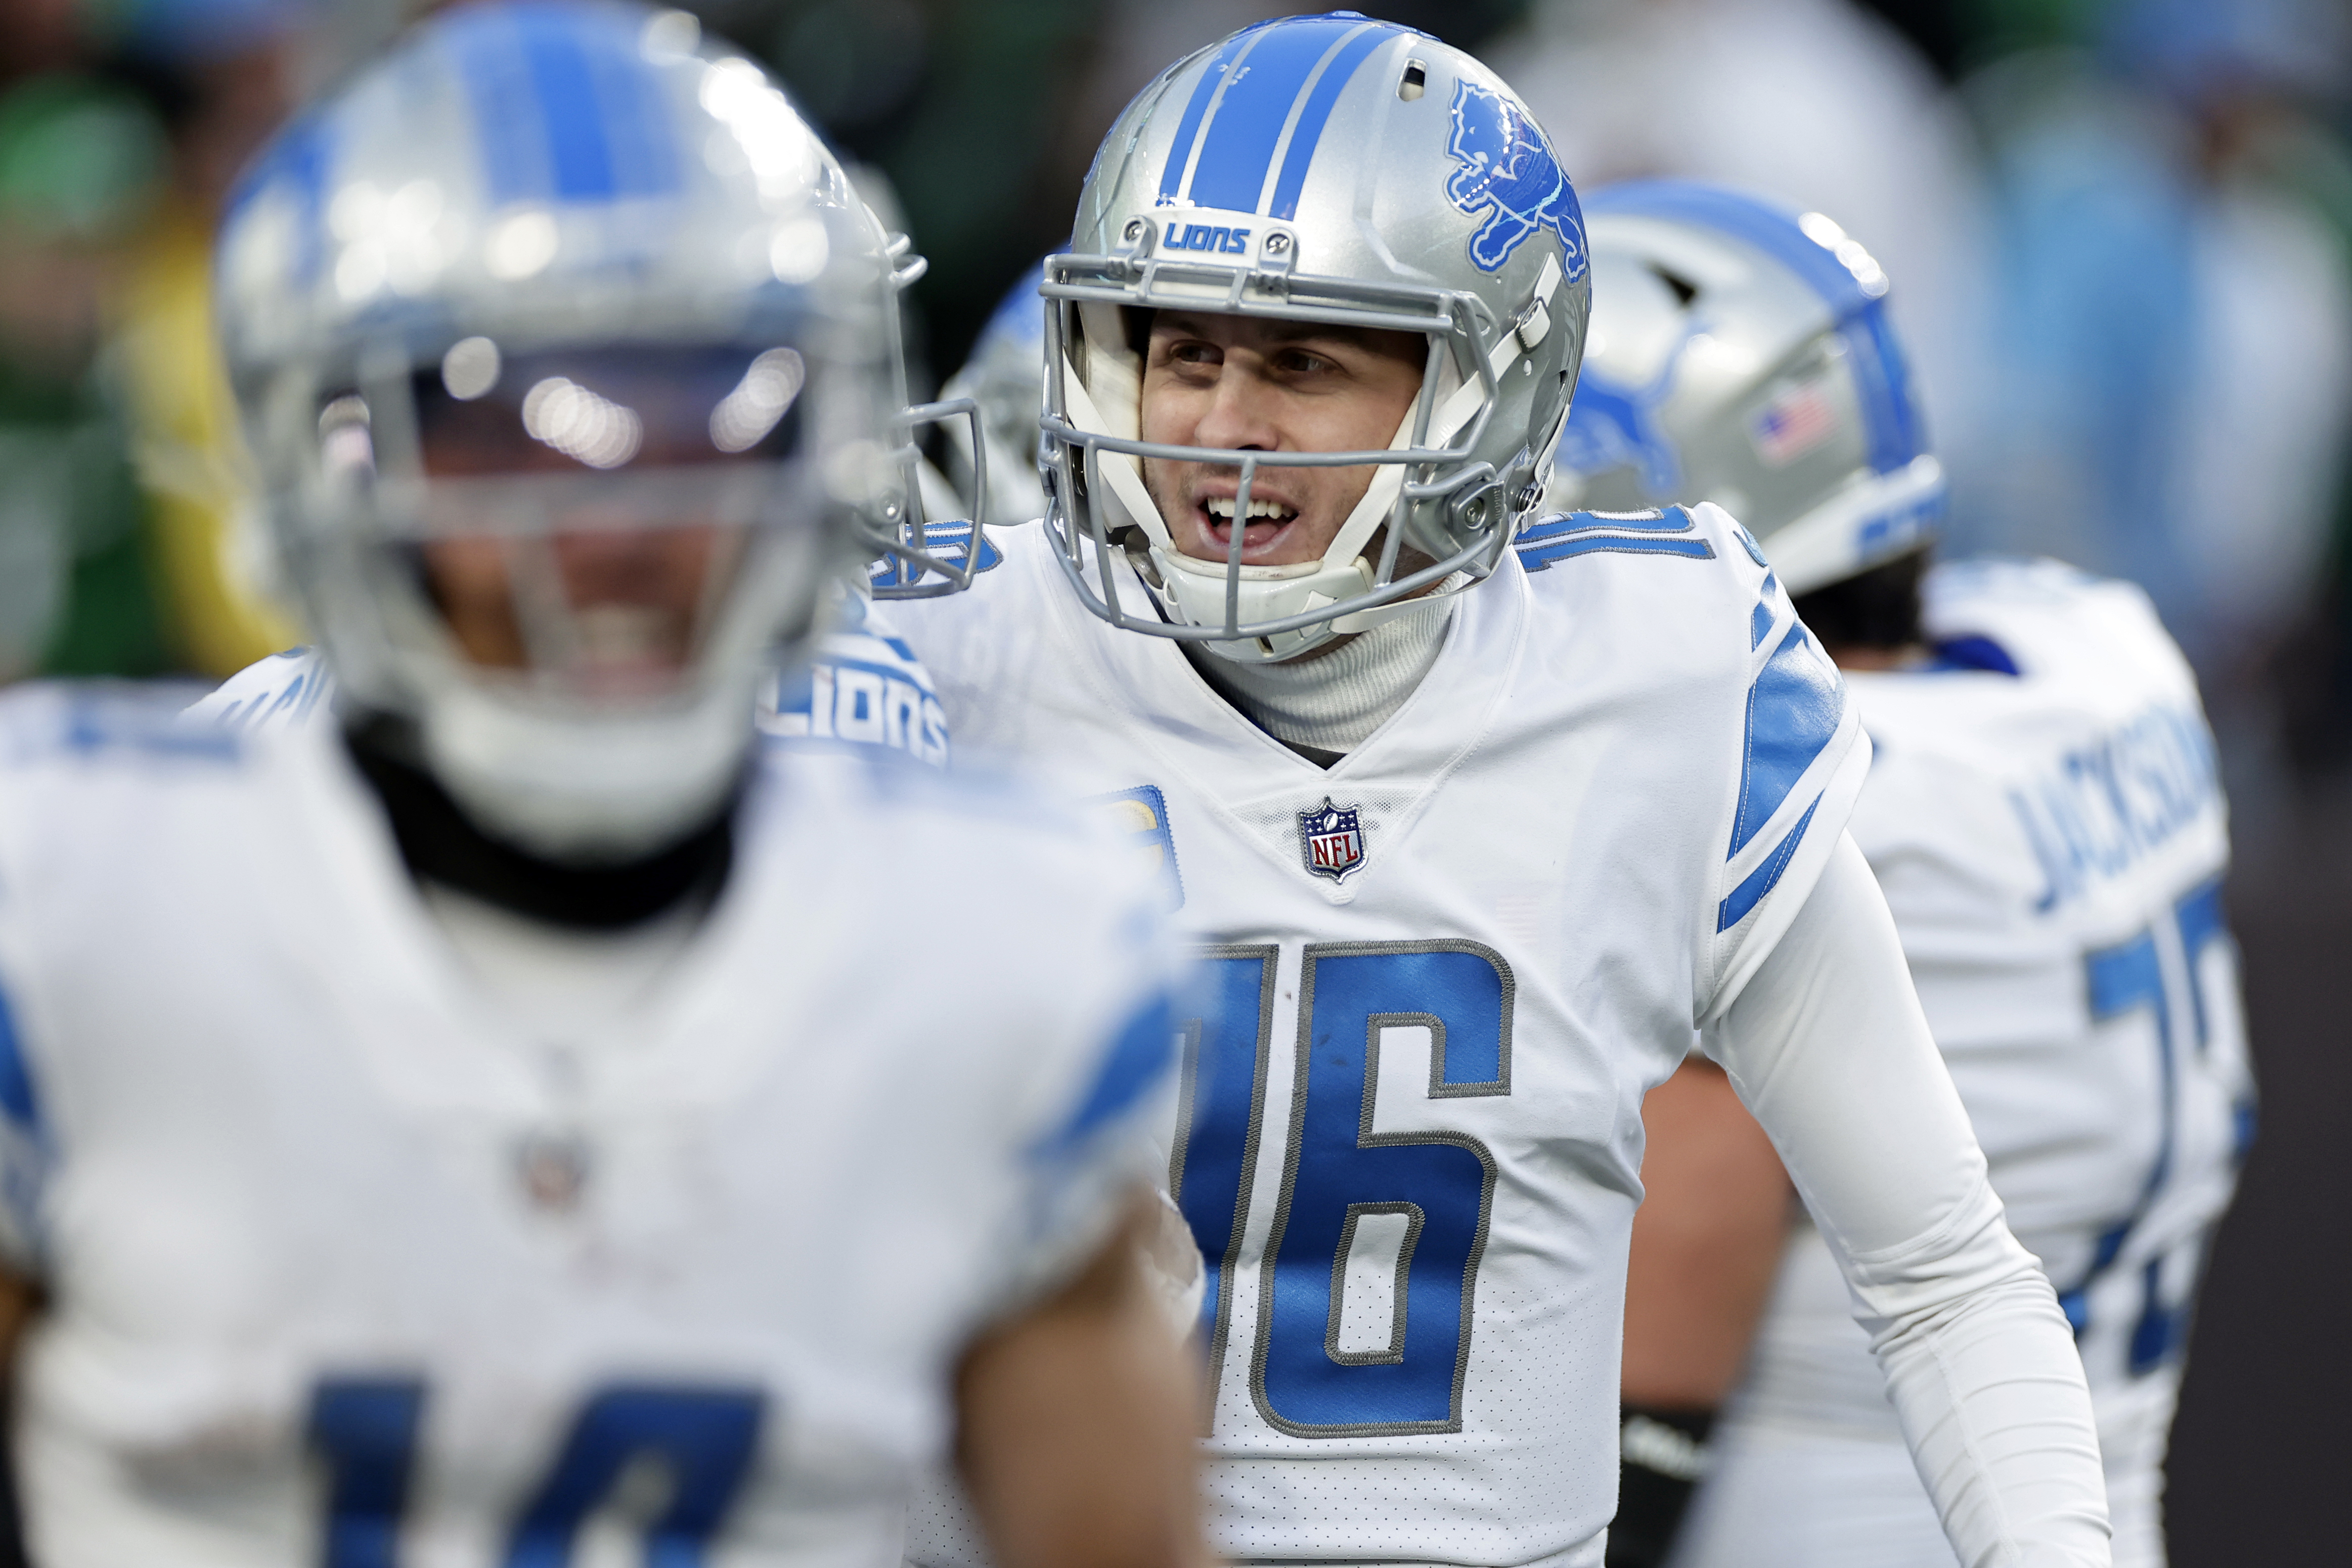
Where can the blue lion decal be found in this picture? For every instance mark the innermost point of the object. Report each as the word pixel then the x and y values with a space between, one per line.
pixel 1508 173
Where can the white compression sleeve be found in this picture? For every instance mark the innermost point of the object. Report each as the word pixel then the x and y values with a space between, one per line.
pixel 1827 1046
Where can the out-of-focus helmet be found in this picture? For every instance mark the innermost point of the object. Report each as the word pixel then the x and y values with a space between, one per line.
pixel 567 229
pixel 1337 170
pixel 1740 354
pixel 1006 377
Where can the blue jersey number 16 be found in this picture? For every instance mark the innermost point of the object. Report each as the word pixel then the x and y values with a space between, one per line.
pixel 1422 1197
pixel 703 1438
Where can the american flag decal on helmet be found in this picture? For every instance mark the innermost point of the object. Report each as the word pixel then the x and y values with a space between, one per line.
pixel 1798 418
pixel 1330 840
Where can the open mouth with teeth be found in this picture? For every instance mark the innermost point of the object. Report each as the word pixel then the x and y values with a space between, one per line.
pixel 1266 520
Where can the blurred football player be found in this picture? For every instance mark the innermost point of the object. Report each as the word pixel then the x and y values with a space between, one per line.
pixel 2045 818
pixel 509 1125
pixel 1478 820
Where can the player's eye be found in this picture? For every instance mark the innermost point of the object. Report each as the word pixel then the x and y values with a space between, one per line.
pixel 1193 351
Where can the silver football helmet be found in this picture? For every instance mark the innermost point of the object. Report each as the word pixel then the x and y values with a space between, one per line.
pixel 570 360
pixel 1332 170
pixel 1740 354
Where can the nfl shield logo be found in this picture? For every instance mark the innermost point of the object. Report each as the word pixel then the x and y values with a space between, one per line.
pixel 1330 840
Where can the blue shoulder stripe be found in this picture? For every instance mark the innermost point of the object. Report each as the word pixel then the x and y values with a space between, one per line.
pixel 950 541
pixel 1765 877
pixel 1566 535
pixel 1537 558
pixel 1973 652
pixel 1793 711
pixel 1142 1052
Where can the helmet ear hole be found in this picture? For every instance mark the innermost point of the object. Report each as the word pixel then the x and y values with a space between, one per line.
pixel 1135 322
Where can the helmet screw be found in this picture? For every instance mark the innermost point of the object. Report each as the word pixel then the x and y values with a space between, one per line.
pixel 1276 244
pixel 1134 228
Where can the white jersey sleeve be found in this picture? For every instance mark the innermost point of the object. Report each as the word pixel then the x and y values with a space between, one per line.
pixel 2046 819
pixel 1829 1049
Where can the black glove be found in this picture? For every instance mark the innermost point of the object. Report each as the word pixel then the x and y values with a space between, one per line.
pixel 1661 1456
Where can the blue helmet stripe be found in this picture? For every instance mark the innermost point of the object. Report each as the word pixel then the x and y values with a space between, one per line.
pixel 578 156
pixel 296 163
pixel 1323 90
pixel 598 131
pixel 1204 92
pixel 1891 426
pixel 1881 380
pixel 1245 126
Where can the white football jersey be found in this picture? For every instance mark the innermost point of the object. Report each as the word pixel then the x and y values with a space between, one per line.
pixel 338 1255
pixel 864 685
pixel 1441 976
pixel 2045 815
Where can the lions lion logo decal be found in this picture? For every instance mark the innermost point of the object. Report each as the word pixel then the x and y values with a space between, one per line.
pixel 1509 174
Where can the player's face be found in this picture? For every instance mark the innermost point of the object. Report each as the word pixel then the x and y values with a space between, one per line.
pixel 633 599
pixel 615 577
pixel 1247 382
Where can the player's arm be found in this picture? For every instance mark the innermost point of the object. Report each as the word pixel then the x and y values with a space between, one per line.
pixel 1707 1242
pixel 1078 1420
pixel 1828 1046
pixel 20 1302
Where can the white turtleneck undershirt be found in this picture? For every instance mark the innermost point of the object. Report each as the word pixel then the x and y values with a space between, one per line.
pixel 1333 702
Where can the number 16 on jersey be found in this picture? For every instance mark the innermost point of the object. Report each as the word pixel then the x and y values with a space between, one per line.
pixel 1365 1300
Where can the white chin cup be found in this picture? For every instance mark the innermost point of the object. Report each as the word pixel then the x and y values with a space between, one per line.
pixel 573 788
pixel 1195 594
pixel 1874 519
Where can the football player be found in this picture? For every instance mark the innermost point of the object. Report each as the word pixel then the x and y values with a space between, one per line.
pixel 508 1125
pixel 1478 820
pixel 2045 818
